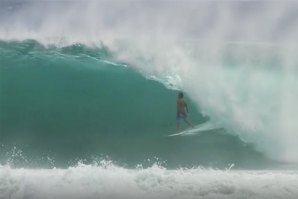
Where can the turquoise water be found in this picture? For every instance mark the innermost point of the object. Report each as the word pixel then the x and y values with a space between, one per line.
pixel 64 105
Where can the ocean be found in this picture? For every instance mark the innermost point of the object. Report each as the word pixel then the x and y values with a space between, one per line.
pixel 88 94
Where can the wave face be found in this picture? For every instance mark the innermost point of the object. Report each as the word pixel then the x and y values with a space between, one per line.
pixel 64 105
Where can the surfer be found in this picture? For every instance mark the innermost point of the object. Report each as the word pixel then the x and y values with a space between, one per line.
pixel 182 110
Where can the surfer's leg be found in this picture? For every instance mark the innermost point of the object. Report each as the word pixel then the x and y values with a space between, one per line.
pixel 187 121
pixel 178 121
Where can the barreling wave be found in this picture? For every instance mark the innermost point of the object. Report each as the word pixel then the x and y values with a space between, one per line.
pixel 63 105
pixel 245 82
pixel 88 92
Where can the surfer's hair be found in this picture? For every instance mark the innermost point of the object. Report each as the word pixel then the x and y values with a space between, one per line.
pixel 180 95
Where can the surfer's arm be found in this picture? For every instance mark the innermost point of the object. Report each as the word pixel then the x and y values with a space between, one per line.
pixel 186 108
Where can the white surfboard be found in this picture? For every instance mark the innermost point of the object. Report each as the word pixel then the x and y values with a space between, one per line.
pixel 195 130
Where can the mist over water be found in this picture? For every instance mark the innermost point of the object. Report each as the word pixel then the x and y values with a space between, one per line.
pixel 236 60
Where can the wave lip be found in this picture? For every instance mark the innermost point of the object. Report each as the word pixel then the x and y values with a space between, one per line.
pixel 110 181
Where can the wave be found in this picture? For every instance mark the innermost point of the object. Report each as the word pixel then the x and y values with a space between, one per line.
pixel 77 103
pixel 244 82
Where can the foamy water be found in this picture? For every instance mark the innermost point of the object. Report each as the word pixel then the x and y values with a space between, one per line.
pixel 110 181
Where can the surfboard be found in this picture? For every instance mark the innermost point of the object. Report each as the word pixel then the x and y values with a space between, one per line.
pixel 195 130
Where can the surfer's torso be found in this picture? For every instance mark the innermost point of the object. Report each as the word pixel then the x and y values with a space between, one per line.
pixel 181 106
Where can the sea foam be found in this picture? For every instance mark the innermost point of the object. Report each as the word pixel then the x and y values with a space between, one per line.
pixel 110 181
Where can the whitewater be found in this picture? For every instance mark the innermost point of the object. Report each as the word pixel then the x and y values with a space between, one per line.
pixel 109 181
pixel 88 90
